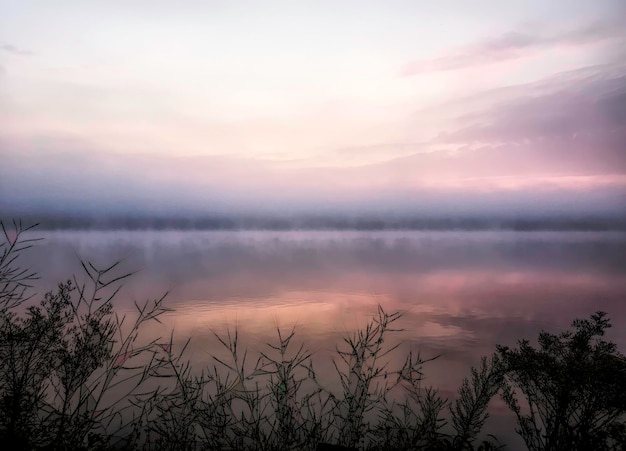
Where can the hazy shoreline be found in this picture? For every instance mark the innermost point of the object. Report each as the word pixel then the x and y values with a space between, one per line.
pixel 329 223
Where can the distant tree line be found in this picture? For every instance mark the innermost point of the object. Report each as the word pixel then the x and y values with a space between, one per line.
pixel 338 221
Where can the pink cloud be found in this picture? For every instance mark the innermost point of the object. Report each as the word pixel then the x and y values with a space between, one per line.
pixel 513 45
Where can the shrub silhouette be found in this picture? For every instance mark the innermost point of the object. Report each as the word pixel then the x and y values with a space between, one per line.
pixel 573 389
pixel 66 380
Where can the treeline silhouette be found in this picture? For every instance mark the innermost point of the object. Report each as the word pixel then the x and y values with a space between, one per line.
pixel 363 222
pixel 75 374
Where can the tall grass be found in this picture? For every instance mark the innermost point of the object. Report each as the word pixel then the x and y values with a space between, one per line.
pixel 72 368
pixel 77 375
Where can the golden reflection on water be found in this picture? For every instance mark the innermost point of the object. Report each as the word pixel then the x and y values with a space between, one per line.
pixel 460 315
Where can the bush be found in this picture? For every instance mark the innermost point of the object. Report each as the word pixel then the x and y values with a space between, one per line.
pixel 573 389
pixel 70 368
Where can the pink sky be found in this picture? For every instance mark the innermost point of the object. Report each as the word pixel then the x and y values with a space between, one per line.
pixel 207 104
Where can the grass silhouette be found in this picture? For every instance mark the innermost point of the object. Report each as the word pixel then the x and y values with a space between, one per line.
pixel 77 375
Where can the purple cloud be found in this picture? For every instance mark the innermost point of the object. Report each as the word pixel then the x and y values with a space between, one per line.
pixel 571 124
pixel 513 45
pixel 595 106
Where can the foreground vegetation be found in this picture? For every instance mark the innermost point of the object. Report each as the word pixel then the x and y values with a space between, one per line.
pixel 74 374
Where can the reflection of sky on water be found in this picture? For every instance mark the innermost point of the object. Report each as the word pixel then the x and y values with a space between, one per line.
pixel 461 292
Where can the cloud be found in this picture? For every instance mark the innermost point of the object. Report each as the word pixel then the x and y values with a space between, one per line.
pixel 513 45
pixel 489 180
pixel 554 143
pixel 13 50
pixel 564 134
pixel 565 126
pixel 588 108
pixel 569 125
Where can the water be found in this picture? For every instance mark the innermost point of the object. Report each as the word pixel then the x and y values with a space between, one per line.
pixel 461 292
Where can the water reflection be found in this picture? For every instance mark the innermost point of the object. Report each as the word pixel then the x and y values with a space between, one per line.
pixel 462 292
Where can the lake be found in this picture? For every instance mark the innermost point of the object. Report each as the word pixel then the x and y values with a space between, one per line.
pixel 460 292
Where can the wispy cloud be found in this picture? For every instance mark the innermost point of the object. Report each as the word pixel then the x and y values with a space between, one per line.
pixel 14 50
pixel 514 44
pixel 569 126
pixel 589 107
pixel 573 123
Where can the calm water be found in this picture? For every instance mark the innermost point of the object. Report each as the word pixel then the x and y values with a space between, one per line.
pixel 461 292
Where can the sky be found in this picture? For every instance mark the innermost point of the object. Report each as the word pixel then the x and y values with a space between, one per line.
pixel 379 106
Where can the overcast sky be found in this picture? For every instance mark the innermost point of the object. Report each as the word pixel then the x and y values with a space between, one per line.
pixel 250 105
